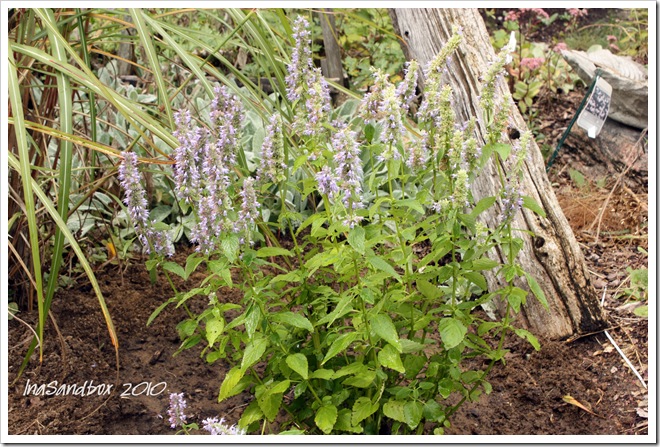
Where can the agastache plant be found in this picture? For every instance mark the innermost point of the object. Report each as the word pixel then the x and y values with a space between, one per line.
pixel 359 317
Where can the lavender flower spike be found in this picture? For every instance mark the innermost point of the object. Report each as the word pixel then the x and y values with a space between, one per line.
pixel 153 241
pixel 176 411
pixel 272 153
pixel 218 427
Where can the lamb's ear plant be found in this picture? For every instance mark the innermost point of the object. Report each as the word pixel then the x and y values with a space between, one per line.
pixel 361 317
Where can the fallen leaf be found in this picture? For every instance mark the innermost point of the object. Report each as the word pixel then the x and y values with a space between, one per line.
pixel 571 400
pixel 643 413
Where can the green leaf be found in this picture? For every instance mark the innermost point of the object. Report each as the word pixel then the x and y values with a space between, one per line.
pixel 432 410
pixel 298 363
pixel 382 265
pixel 291 432
pixel 412 412
pixel 339 345
pixel 362 409
pixel 410 203
pixel 213 330
pixel 428 290
pixel 253 352
pixel 501 148
pixel 192 263
pixel 352 368
pixel 410 346
pixel 267 252
pixel 270 399
pixel 477 278
pixel 536 290
pixel 159 309
pixel 291 277
pixel 483 205
pixel 344 422
pixel 383 326
pixel 293 319
pixel 227 389
pixel 325 419
pixel 452 332
pixel 362 380
pixel 532 205
pixel 413 365
pixel 390 358
pixel 516 298
pixel 175 268
pixel 186 327
pixel 325 374
pixel 522 333
pixel 356 239
pixel 394 409
pixel 484 264
pixel 230 246
pixel 642 311
pixel 251 414
pixel 344 306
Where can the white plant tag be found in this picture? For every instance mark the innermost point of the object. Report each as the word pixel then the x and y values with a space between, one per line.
pixel 594 114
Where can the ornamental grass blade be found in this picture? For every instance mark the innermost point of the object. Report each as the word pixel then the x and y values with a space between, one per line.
pixel 52 211
pixel 23 167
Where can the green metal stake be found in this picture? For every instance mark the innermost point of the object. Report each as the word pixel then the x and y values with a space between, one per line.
pixel 597 74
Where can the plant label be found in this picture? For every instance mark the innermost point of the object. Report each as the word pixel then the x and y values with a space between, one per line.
pixel 594 114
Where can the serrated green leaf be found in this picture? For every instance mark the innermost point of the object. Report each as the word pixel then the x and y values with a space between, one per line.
pixel 477 278
pixel 267 252
pixel 251 414
pixel 213 330
pixel 362 409
pixel 383 326
pixel 382 265
pixel 390 358
pixel 298 363
pixel 484 264
pixel 291 277
pixel 253 352
pixel 325 374
pixel 344 422
pixel 532 205
pixel 175 268
pixel 339 345
pixel 326 417
pixel 428 290
pixel 412 412
pixel 394 409
pixel 230 245
pixel 270 398
pixel 192 263
pixel 353 368
pixel 362 380
pixel 451 331
pixel 523 333
pixel 410 346
pixel 432 410
pixel 410 203
pixel 356 238
pixel 483 205
pixel 227 389
pixel 536 290
pixel 293 319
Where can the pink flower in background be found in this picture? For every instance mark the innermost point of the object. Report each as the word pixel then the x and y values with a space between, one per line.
pixel 532 62
pixel 512 15
pixel 561 46
pixel 614 47
pixel 611 38
pixel 577 12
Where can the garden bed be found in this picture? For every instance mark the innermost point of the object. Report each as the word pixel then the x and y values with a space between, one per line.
pixel 527 396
